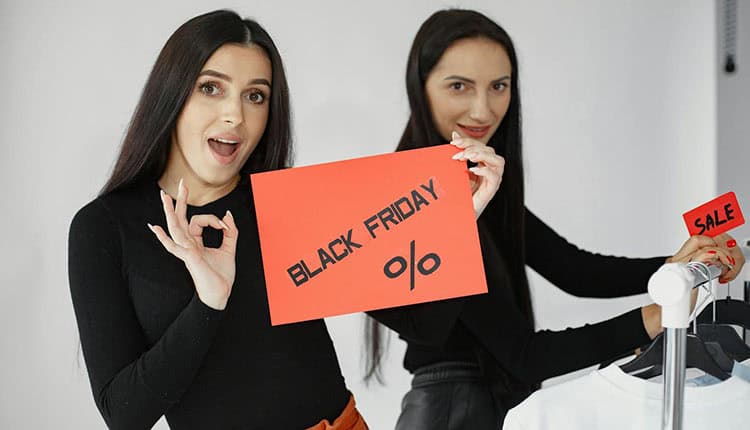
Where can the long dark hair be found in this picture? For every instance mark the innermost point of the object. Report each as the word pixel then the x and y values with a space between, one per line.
pixel 505 214
pixel 145 149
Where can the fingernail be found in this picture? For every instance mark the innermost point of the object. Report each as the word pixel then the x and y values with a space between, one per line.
pixel 473 169
pixel 230 213
pixel 161 193
pixel 731 243
pixel 712 252
pixel 150 227
pixel 179 186
pixel 455 135
pixel 223 225
pixel 733 260
pixel 458 156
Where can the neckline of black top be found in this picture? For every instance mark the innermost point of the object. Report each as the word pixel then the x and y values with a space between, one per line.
pixel 240 196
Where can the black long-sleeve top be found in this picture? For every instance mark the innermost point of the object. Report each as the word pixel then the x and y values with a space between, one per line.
pixel 493 324
pixel 152 348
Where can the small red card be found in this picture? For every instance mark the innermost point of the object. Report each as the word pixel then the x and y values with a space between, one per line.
pixel 715 217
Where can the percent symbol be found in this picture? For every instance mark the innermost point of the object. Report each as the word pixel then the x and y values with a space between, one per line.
pixel 402 265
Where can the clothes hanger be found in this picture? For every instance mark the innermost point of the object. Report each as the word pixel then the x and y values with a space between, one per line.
pixel 716 325
pixel 728 311
pixel 731 343
pixel 708 357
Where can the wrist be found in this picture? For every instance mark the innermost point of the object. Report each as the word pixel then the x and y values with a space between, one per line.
pixel 214 301
pixel 651 315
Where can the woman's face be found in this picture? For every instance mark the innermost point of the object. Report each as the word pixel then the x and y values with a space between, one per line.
pixel 224 117
pixel 469 88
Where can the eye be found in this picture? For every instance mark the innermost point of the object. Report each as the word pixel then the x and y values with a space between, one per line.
pixel 500 86
pixel 256 96
pixel 210 88
pixel 457 86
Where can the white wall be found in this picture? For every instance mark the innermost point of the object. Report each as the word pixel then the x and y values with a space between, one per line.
pixel 620 133
pixel 733 113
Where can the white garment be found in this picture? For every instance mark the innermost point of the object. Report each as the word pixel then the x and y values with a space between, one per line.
pixel 613 400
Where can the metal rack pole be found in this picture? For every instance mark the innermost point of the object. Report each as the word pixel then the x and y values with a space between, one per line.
pixel 670 287
pixel 674 377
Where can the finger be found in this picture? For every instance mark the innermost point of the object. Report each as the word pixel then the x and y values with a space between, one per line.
pixel 231 233
pixel 710 255
pixel 180 208
pixel 465 142
pixel 693 244
pixel 175 231
pixel 490 159
pixel 729 244
pixel 168 243
pixel 489 184
pixel 725 240
pixel 199 222
pixel 477 154
pixel 716 256
pixel 697 242
pixel 733 268
pixel 483 149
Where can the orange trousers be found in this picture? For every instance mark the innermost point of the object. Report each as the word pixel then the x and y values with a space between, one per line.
pixel 350 419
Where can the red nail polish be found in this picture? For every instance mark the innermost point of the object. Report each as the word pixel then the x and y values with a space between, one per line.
pixel 712 252
pixel 731 243
pixel 733 261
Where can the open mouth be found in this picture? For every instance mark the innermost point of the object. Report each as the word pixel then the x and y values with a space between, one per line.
pixel 224 150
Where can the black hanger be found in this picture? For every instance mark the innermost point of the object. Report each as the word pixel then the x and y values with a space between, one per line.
pixel 731 343
pixel 708 357
pixel 728 311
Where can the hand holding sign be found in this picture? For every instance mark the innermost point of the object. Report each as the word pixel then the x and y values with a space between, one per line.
pixel 728 243
pixel 708 224
pixel 486 176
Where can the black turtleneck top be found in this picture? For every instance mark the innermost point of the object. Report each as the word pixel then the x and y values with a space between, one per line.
pixel 152 348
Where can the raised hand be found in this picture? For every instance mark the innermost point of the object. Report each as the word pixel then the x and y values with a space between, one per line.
pixel 212 269
pixel 728 244
pixel 486 176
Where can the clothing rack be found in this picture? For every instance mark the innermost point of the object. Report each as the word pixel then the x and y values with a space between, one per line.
pixel 670 287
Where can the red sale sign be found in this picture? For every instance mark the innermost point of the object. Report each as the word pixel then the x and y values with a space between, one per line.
pixel 368 233
pixel 715 217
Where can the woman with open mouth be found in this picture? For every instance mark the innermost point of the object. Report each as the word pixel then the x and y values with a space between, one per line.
pixel 165 266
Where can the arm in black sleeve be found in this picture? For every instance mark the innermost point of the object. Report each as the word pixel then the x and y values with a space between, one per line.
pixel 424 323
pixel 582 273
pixel 531 356
pixel 133 385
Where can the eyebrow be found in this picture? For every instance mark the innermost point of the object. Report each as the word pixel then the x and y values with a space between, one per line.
pixel 470 81
pixel 214 73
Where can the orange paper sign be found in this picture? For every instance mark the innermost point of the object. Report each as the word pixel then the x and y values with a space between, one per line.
pixel 369 233
pixel 715 217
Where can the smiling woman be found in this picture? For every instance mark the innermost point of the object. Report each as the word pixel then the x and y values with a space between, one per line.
pixel 485 356
pixel 469 88
pixel 170 323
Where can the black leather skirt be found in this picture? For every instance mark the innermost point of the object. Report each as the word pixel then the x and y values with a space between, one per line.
pixel 450 396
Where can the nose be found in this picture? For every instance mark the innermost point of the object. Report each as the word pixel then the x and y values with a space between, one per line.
pixel 231 111
pixel 480 110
